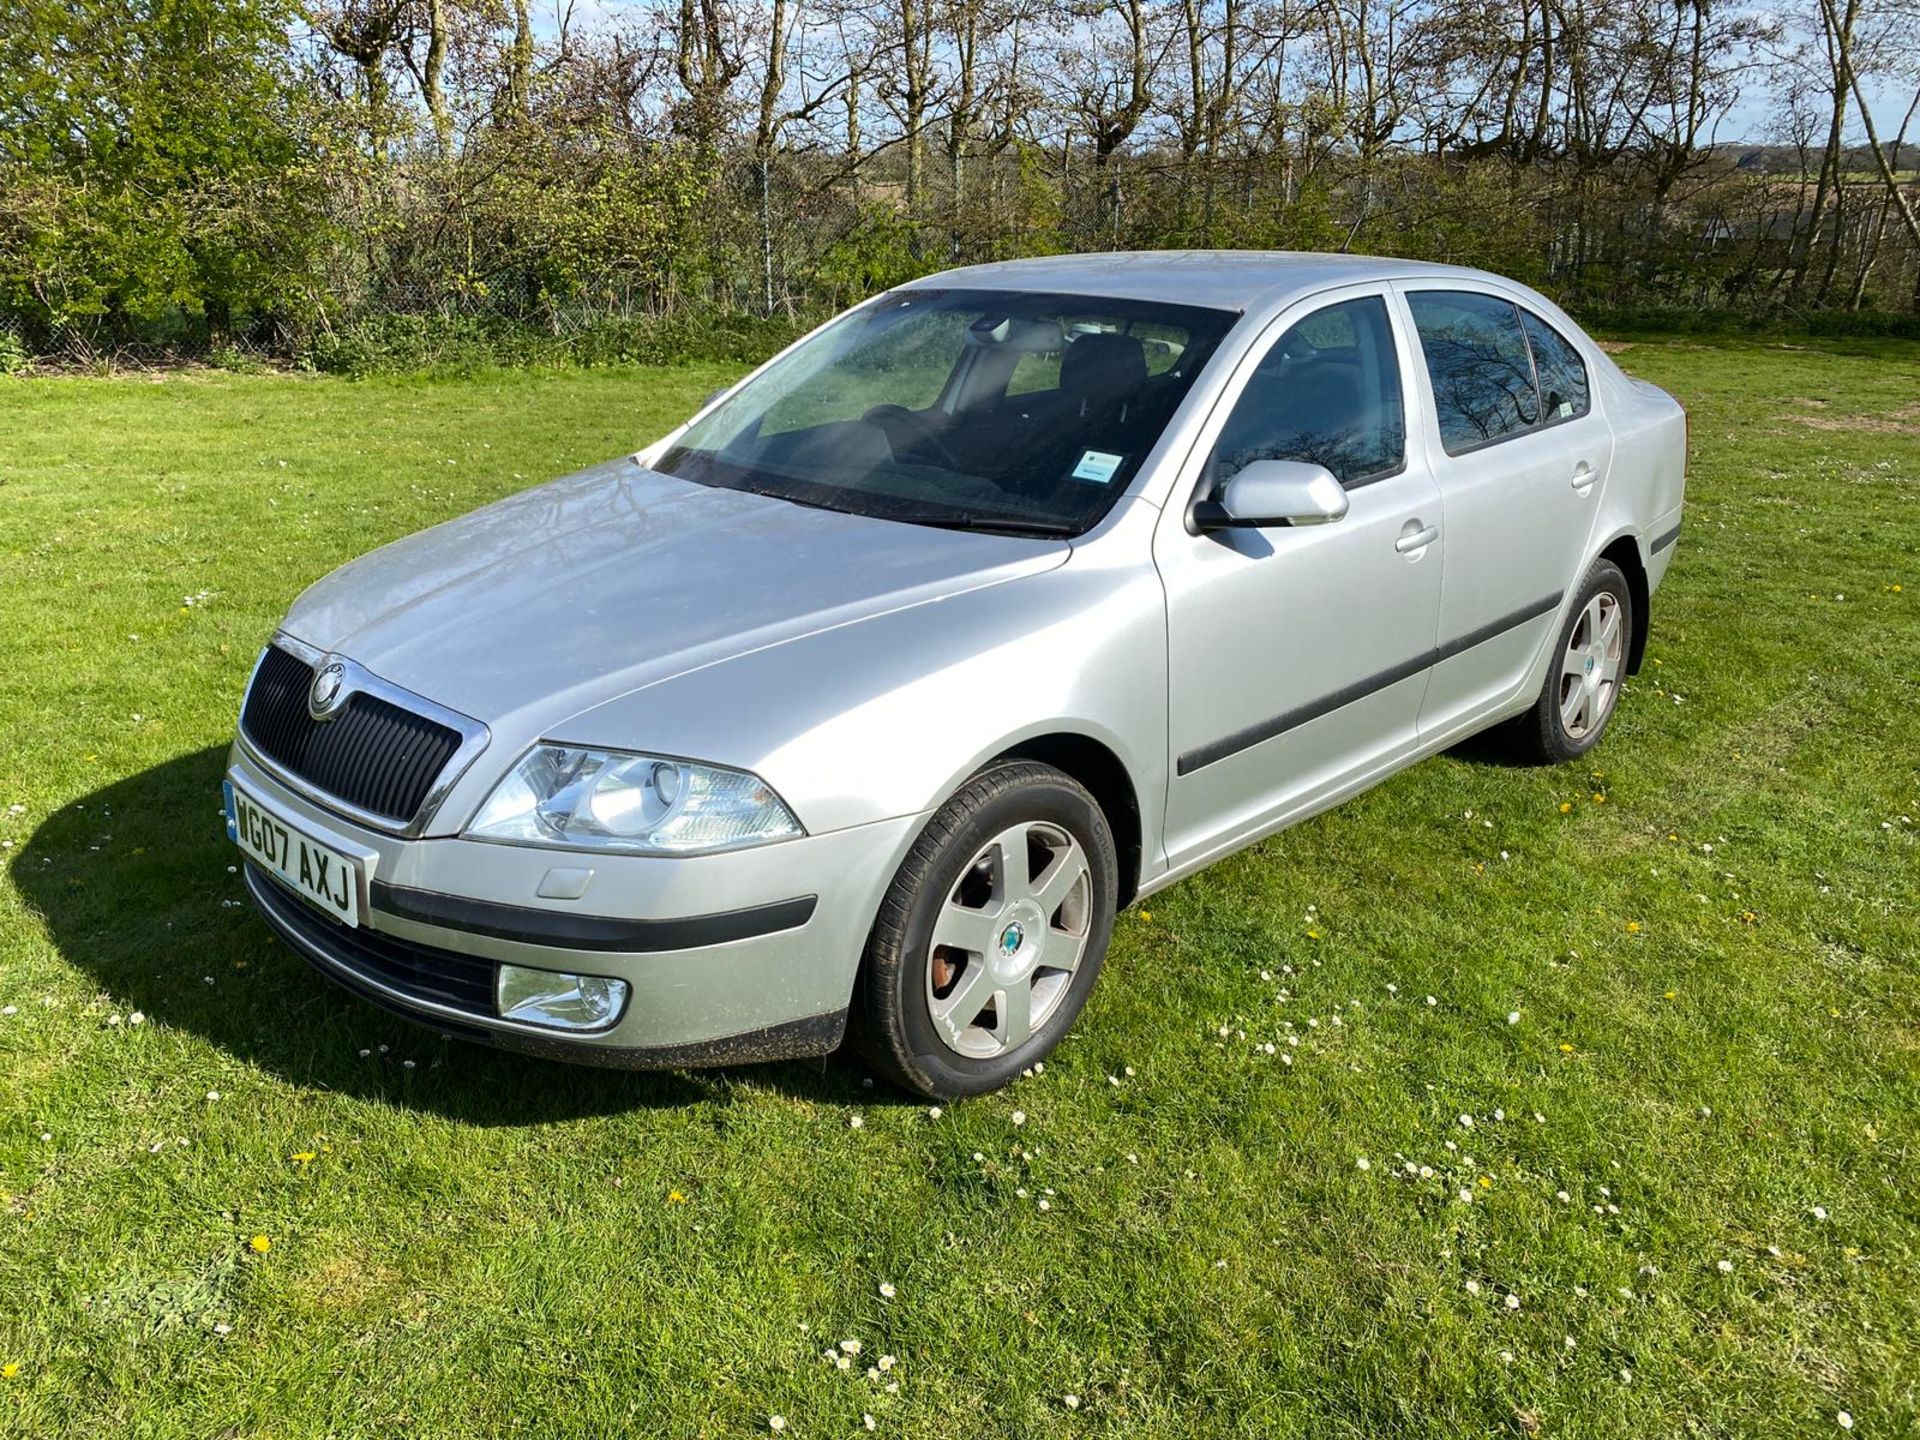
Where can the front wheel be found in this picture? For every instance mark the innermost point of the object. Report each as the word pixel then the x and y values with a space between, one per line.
pixel 991 935
pixel 1583 682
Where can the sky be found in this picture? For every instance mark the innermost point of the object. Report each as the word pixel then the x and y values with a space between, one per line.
pixel 1751 120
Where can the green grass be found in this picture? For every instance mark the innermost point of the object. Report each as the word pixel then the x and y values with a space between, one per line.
pixel 1713 968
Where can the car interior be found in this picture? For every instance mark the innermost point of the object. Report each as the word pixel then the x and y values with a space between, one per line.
pixel 1041 412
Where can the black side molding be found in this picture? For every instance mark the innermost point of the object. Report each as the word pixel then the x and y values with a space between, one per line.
pixel 1214 751
pixel 568 931
pixel 1661 542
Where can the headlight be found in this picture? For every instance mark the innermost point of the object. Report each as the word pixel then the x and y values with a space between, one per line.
pixel 583 799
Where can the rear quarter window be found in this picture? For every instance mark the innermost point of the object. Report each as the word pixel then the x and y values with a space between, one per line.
pixel 1562 373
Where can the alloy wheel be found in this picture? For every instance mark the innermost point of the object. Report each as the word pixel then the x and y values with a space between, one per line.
pixel 1591 667
pixel 1008 939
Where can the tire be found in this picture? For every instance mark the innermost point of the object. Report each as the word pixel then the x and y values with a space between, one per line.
pixel 1002 910
pixel 1575 706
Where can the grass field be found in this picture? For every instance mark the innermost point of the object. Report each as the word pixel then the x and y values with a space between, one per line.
pixel 1673 989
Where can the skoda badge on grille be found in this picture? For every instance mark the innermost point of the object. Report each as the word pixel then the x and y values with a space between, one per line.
pixel 328 690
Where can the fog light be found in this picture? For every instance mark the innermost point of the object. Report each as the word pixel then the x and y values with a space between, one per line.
pixel 557 999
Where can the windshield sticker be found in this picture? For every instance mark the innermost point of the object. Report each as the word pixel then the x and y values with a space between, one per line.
pixel 1097 466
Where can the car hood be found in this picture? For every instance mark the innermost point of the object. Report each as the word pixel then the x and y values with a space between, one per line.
pixel 526 612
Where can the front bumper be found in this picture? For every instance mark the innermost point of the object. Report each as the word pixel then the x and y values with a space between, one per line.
pixel 730 958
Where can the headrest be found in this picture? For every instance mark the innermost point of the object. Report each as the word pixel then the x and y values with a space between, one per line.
pixel 1103 366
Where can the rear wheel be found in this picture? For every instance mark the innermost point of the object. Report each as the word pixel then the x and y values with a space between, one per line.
pixel 1582 687
pixel 991 935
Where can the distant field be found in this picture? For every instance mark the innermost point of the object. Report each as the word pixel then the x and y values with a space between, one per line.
pixel 1674 991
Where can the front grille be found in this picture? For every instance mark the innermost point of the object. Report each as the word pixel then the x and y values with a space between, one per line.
pixel 422 972
pixel 371 753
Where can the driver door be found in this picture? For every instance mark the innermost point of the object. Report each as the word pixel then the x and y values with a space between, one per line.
pixel 1298 656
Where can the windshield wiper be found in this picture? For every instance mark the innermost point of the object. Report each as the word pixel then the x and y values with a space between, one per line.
pixel 993 524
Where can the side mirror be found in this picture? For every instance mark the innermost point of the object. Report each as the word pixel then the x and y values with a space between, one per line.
pixel 1274 492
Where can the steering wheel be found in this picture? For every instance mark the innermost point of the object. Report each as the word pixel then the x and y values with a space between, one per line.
pixel 890 418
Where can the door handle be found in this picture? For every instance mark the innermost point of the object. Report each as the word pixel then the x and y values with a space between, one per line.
pixel 1583 477
pixel 1414 537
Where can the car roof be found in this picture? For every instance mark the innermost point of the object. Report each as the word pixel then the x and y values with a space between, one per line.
pixel 1239 280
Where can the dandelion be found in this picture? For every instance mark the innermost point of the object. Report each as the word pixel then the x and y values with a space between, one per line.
pixel 674 1197
pixel 302 1157
pixel 260 1244
pixel 10 1370
pixel 1565 1048
pixel 1566 807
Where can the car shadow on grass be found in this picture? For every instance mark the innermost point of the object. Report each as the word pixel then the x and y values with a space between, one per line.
pixel 138 887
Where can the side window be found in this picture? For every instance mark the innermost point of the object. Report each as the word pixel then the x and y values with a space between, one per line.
pixel 1477 357
pixel 1327 392
pixel 1563 375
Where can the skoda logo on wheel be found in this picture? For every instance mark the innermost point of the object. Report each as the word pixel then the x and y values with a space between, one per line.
pixel 328 691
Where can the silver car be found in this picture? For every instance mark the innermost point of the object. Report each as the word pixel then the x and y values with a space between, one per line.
pixel 859 705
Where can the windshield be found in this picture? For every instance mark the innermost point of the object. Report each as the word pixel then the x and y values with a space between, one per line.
pixel 993 410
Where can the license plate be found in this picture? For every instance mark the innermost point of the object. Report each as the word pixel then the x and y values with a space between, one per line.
pixel 316 872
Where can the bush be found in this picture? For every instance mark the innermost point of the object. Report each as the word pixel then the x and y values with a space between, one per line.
pixel 459 345
pixel 1683 320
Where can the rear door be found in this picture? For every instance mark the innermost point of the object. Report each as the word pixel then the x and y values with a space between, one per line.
pixel 1520 456
pixel 1297 656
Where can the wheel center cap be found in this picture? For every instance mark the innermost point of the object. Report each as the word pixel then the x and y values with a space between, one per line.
pixel 1022 940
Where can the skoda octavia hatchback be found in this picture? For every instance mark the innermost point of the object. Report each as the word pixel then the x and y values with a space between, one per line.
pixel 858 705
